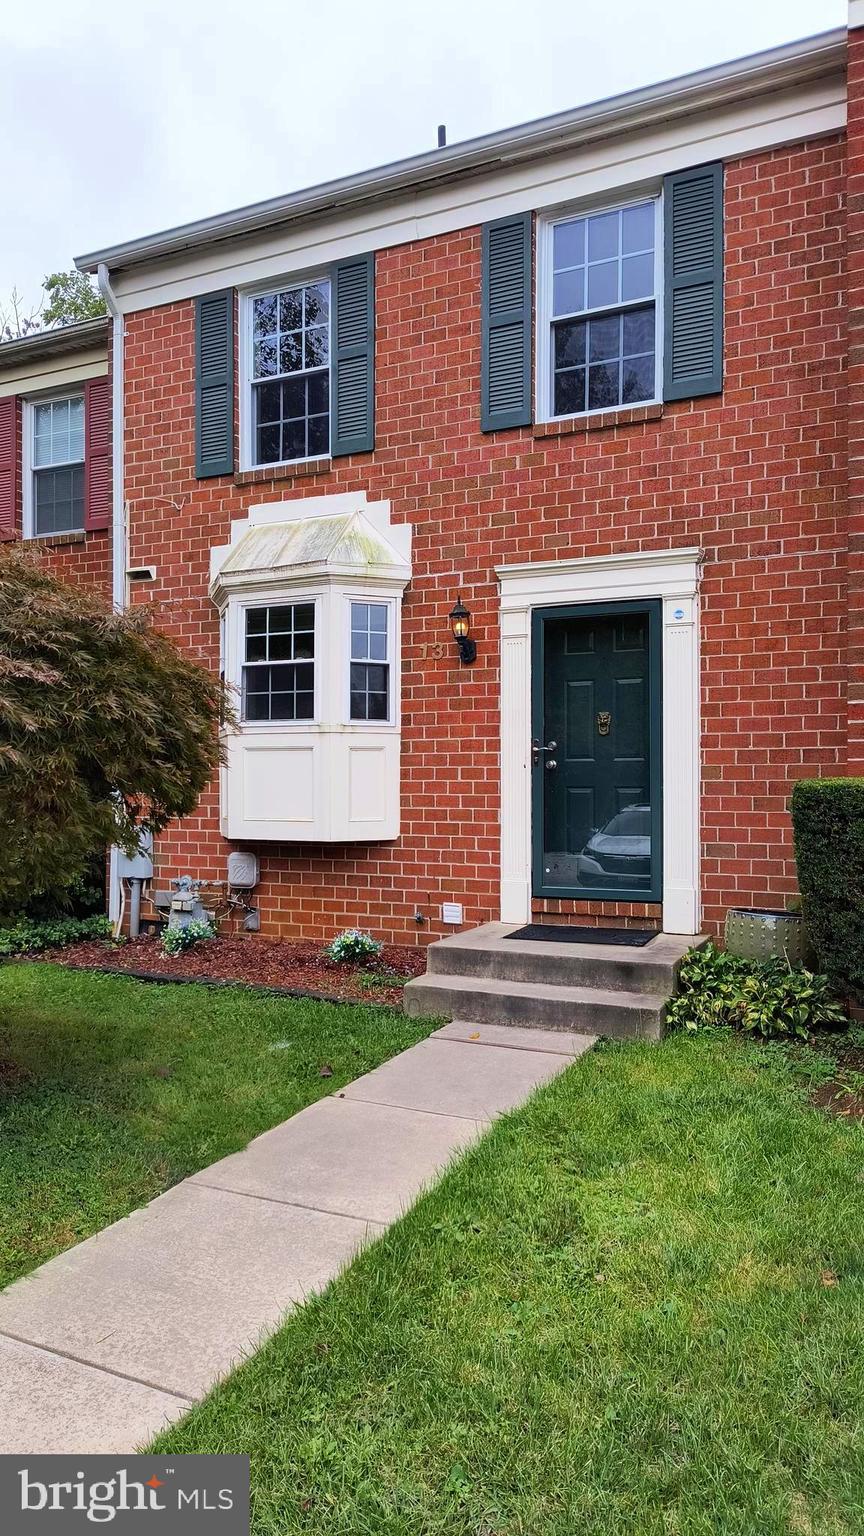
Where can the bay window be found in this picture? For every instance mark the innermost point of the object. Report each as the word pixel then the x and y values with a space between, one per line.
pixel 309 592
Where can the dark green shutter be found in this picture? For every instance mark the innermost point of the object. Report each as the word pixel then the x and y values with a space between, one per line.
pixel 214 384
pixel 693 302
pixel 352 404
pixel 505 363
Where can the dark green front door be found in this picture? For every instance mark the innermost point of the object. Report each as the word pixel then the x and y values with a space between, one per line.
pixel 596 751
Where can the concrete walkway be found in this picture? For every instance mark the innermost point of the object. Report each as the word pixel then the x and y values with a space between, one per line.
pixel 102 1346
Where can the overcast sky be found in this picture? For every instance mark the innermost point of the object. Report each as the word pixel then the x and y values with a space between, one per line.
pixel 118 120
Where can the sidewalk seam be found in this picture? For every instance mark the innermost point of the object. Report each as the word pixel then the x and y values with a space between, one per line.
pixel 296 1205
pixel 441 1113
pixel 507 1045
pixel 104 1370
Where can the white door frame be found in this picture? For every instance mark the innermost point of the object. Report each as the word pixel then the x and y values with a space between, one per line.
pixel 673 576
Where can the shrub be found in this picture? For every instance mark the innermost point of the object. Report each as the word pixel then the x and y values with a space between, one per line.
pixel 28 937
pixel 765 997
pixel 176 940
pixel 828 822
pixel 350 947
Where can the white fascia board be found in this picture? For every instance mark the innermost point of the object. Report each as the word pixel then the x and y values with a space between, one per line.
pixel 856 14
pixel 623 160
pixel 789 65
pixel 34 378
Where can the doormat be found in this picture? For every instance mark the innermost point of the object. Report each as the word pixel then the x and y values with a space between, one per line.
pixel 557 933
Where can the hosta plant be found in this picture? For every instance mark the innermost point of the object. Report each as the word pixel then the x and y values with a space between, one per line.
pixel 765 997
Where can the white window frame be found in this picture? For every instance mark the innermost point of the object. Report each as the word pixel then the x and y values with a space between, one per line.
pixel 28 468
pixel 392 635
pixel 273 598
pixel 543 359
pixel 246 372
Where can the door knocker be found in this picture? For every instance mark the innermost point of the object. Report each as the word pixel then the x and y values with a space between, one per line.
pixel 604 722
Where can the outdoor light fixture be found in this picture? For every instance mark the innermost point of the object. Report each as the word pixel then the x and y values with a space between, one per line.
pixel 460 623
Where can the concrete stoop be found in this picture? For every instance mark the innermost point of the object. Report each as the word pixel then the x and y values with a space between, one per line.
pixel 483 977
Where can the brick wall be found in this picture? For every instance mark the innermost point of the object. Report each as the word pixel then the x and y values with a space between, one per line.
pixel 757 478
pixel 855 217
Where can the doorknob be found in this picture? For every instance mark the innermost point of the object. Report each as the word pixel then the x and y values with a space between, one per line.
pixel 536 749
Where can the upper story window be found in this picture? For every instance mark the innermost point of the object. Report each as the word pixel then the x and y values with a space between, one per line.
pixel 279 662
pixel 290 374
pixel 56 456
pixel 600 332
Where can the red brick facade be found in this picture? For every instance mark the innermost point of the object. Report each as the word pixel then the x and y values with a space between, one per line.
pixel 756 477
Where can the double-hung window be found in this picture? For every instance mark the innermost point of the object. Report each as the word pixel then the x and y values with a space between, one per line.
pixel 56 454
pixel 279 662
pixel 601 331
pixel 370 661
pixel 290 374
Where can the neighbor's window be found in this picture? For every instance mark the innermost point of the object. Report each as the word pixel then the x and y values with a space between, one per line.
pixel 57 465
pixel 370 662
pixel 291 374
pixel 604 312
pixel 279 663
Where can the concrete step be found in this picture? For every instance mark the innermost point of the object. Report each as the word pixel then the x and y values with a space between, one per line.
pixel 538 1005
pixel 486 953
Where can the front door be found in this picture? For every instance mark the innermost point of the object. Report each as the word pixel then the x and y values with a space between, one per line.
pixel 596 751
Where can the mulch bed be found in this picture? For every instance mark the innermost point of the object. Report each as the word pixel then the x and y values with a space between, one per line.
pixel 844 1095
pixel 256 962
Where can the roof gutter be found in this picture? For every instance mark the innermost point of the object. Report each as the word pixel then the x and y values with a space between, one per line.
pixel 784 68
pixel 62 340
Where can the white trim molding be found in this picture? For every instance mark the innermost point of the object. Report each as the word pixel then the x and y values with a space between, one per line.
pixel 856 14
pixel 782 83
pixel 672 576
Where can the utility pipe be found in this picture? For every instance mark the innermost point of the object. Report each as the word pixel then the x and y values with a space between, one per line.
pixel 119 558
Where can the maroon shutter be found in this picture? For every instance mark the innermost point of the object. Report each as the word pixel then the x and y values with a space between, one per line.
pixel 97 453
pixel 9 467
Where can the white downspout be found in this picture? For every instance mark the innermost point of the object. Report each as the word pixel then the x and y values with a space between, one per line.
pixel 119 554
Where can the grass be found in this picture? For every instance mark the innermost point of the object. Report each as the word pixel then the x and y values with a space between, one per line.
pixel 111 1089
pixel 635 1309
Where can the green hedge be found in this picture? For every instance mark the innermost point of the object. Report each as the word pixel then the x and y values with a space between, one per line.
pixel 828 822
pixel 28 937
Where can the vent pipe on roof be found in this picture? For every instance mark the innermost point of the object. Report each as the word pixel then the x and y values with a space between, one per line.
pixel 442 135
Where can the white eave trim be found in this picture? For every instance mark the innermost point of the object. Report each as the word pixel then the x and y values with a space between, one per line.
pixel 783 69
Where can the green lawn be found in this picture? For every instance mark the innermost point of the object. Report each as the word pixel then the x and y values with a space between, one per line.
pixel 635 1308
pixel 111 1089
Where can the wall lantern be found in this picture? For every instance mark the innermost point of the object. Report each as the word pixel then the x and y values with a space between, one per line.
pixel 460 623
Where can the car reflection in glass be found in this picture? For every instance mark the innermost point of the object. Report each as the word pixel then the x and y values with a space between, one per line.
pixel 619 854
